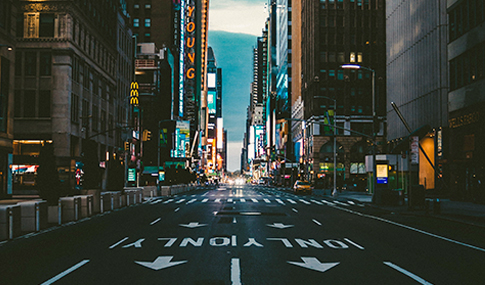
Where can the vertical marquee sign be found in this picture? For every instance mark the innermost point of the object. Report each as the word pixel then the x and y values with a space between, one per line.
pixel 181 58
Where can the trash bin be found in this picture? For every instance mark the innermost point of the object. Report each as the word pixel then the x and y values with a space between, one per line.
pixel 10 221
pixel 33 215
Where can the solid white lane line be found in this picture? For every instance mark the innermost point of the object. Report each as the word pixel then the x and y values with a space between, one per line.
pixel 176 210
pixel 235 272
pixel 411 228
pixel 156 221
pixel 304 201
pixel 205 200
pixel 291 201
pixel 354 244
pixel 409 274
pixel 118 243
pixel 59 276
pixel 317 222
pixel 294 210
pixel 281 202
pixel 266 200
pixel 254 200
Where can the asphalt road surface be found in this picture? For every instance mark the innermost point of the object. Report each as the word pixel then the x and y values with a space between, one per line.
pixel 243 235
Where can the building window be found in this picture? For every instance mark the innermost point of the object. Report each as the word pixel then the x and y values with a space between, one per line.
pixel 95 118
pixel 44 103
pixel 45 64
pixel 148 37
pixel 136 6
pixel 29 103
pixel 30 66
pixel 4 92
pixel 136 22
pixel 4 14
pixel 18 63
pixel 359 57
pixel 46 27
pixel 147 23
pixel 74 108
pixel 103 120
pixel 148 6
pixel 85 111
pixel 352 57
pixel 18 104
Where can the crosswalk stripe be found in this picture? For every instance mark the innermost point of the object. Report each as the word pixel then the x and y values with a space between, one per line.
pixel 266 200
pixel 291 201
pixel 304 201
pixel 243 200
pixel 328 203
pixel 254 200
pixel 279 201
pixel 316 202
pixel 343 204
pixel 168 201
pixel 205 200
pixel 217 200
pixel 191 201
pixel 180 201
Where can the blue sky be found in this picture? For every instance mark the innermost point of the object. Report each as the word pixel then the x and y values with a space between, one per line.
pixel 234 26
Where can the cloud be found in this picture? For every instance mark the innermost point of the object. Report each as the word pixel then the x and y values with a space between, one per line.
pixel 245 17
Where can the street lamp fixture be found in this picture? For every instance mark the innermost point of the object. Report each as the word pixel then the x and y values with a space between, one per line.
pixel 374 168
pixel 9 48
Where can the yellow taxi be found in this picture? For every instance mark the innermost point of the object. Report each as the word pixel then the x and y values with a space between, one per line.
pixel 302 186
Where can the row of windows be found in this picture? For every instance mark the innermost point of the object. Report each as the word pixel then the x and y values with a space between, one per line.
pixel 468 67
pixel 32 104
pixel 92 46
pixel 340 38
pixel 340 57
pixel 136 22
pixel 338 74
pixel 33 63
pixel 147 6
pixel 83 74
pixel 355 21
pixel 352 4
pixel 465 16
pixel 99 120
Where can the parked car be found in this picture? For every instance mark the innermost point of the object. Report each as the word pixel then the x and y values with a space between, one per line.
pixel 302 186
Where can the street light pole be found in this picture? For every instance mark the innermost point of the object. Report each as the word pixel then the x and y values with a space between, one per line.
pixel 374 167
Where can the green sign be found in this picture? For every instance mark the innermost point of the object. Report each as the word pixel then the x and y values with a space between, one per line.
pixel 161 175
pixel 131 175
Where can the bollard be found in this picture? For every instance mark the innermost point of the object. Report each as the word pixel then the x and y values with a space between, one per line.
pixel 101 204
pixel 10 223
pixel 59 214
pixel 37 218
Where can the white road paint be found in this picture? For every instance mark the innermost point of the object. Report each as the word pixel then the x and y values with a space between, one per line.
pixel 205 200
pixel 266 200
pixel 314 264
pixel 217 200
pixel 64 273
pixel 304 201
pixel 317 222
pixel 168 201
pixel 413 229
pixel 229 200
pixel 118 243
pixel 316 202
pixel 160 263
pixel 156 221
pixel 180 201
pixel 354 244
pixel 279 226
pixel 235 272
pixel 328 203
pixel 291 201
pixel 342 204
pixel 234 220
pixel 136 244
pixel 351 202
pixel 191 201
pixel 407 273
pixel 193 225
pixel 176 210
pixel 279 201
pixel 243 200
pixel 254 200
pixel 294 210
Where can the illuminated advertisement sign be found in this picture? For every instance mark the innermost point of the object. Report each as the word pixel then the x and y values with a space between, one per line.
pixel 259 140
pixel 382 173
pixel 182 139
pixel 181 58
pixel 220 134
pixel 211 101
pixel 211 80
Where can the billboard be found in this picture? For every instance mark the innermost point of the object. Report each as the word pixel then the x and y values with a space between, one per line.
pixel 182 139
pixel 220 134
pixel 211 101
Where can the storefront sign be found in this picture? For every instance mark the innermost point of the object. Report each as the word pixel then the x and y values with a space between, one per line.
pixel 414 150
pixel 382 173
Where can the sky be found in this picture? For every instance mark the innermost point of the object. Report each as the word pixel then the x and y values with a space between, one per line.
pixel 234 26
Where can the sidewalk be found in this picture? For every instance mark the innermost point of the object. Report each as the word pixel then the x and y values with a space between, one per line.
pixel 457 211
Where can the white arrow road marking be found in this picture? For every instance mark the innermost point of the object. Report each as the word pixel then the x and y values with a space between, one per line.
pixel 314 264
pixel 254 200
pixel 62 274
pixel 160 263
pixel 235 272
pixel 409 274
pixel 291 201
pixel 317 222
pixel 192 225
pixel 279 225
pixel 279 201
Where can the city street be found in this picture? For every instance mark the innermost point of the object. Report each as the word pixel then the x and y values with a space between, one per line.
pixel 244 235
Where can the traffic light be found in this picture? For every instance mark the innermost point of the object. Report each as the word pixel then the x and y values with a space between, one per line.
pixel 147 135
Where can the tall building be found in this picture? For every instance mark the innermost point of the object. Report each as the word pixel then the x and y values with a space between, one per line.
pixel 466 58
pixel 8 19
pixel 68 61
pixel 417 80
pixel 334 33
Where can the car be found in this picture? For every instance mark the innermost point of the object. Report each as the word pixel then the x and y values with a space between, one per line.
pixel 302 186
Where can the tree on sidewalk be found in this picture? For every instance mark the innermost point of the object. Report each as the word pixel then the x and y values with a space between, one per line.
pixel 47 180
